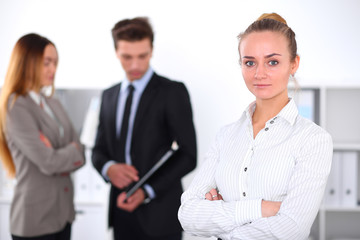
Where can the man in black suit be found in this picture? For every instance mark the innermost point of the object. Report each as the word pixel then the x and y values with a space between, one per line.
pixel 139 120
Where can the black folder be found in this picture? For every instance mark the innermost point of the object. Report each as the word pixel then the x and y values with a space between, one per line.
pixel 163 159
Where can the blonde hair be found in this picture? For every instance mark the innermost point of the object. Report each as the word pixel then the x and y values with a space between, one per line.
pixel 273 16
pixel 275 23
pixel 23 74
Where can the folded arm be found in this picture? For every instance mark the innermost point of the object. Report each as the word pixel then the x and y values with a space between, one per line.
pixel 244 219
pixel 25 135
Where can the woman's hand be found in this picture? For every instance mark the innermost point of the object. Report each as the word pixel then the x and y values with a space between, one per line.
pixel 76 145
pixel 45 140
pixel 269 208
pixel 213 195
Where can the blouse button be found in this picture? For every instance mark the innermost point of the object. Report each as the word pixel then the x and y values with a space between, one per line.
pixel 244 194
pixel 245 169
pixel 272 121
pixel 266 129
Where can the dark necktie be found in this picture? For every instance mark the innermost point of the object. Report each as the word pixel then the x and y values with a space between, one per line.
pixel 125 124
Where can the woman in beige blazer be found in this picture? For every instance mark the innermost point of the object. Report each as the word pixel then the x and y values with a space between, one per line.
pixel 38 144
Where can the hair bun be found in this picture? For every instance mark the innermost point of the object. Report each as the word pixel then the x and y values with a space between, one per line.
pixel 273 16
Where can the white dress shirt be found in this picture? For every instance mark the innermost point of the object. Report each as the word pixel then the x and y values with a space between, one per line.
pixel 288 161
pixel 139 87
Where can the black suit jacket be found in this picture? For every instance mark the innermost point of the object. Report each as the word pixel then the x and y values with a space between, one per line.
pixel 164 114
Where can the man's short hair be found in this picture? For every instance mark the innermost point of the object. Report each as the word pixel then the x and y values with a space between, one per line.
pixel 132 30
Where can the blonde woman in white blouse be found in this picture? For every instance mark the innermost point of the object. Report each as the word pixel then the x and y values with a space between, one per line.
pixel 265 175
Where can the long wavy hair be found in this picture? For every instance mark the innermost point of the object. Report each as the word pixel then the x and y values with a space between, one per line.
pixel 23 74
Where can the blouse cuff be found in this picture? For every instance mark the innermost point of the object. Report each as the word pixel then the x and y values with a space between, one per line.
pixel 247 211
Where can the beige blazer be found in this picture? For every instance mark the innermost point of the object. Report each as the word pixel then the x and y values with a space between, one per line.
pixel 43 195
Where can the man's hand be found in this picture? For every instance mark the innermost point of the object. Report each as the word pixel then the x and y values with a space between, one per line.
pixel 122 175
pixel 269 208
pixel 132 202
pixel 213 195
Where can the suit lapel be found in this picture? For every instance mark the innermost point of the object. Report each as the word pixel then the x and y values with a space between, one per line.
pixel 61 117
pixel 41 113
pixel 113 105
pixel 145 100
pixel 57 111
pixel 52 129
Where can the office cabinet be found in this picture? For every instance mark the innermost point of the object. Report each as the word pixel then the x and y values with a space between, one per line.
pixel 336 110
pixel 91 221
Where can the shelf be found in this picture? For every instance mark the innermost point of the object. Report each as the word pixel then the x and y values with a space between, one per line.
pixel 89 203
pixel 340 209
pixel 347 146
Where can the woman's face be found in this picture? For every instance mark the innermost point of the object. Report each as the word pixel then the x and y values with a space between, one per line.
pixel 50 64
pixel 266 65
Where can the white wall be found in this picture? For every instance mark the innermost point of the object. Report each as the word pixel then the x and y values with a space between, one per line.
pixel 195 42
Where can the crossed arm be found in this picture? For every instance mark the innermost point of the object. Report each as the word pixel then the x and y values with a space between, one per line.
pixel 25 135
pixel 268 208
pixel 204 212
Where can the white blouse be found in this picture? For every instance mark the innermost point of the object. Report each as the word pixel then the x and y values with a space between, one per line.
pixel 288 161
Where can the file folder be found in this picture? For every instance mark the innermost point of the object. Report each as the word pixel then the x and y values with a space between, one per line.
pixel 163 159
pixel 350 181
pixel 334 184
